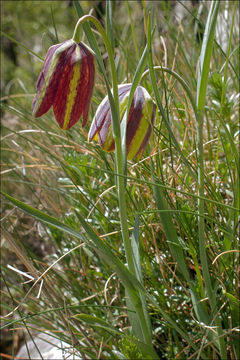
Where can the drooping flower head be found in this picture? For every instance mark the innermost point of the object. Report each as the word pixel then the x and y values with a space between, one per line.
pixel 66 83
pixel 139 124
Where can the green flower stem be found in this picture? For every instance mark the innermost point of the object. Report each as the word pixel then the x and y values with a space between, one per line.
pixel 135 295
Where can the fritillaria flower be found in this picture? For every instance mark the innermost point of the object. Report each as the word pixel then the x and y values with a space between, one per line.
pixel 66 83
pixel 139 124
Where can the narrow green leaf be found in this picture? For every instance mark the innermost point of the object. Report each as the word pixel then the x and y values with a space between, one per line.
pixel 132 29
pixel 133 318
pixel 159 103
pixel 128 280
pixel 233 300
pixel 91 319
pixel 134 321
pixel 205 55
pixel 235 307
pixel 54 25
pixel 169 228
pixel 138 272
pixel 20 44
pixel 135 249
pixel 97 322
pixel 109 22
pixel 176 248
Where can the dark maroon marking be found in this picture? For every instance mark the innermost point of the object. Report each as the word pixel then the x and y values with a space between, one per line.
pixel 91 79
pixel 103 132
pixel 43 73
pixel 59 104
pixel 112 146
pixel 145 140
pixel 52 88
pixel 95 128
pixel 103 112
pixel 81 94
pixel 102 121
pixel 147 136
pixel 135 116
pixel 42 76
pixel 46 66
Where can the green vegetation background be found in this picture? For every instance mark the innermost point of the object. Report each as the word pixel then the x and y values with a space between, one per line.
pixel 63 175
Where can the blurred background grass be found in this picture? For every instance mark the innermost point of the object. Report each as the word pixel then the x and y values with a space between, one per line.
pixel 62 174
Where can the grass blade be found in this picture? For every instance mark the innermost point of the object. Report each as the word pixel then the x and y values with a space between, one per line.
pixel 205 56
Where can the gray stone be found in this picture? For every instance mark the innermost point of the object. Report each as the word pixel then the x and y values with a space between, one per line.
pixel 49 347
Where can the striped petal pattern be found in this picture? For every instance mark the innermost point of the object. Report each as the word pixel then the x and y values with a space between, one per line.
pixel 139 124
pixel 66 83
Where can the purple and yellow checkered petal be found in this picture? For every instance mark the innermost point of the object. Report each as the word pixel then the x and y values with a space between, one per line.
pixel 66 83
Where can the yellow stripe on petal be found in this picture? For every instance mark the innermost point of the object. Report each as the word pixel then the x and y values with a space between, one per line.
pixel 141 131
pixel 72 89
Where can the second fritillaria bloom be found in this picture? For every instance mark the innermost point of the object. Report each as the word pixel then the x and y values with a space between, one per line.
pixel 66 83
pixel 139 124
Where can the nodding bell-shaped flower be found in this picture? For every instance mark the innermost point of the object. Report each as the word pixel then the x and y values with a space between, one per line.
pixel 66 83
pixel 139 124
